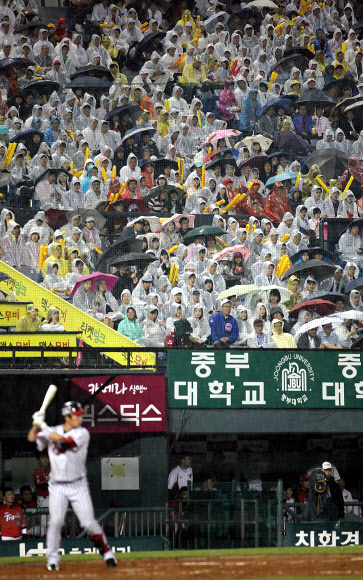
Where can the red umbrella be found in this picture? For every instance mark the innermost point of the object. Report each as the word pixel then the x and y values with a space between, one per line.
pixel 322 307
pixel 176 219
pixel 212 154
pixel 57 218
pixel 110 280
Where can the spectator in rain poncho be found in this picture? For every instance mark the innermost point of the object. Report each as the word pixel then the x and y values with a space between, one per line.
pixel 351 245
pixel 130 326
pixel 250 111
pixel 32 248
pixel 52 280
pixel 84 298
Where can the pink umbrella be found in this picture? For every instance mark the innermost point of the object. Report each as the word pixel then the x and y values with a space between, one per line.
pixel 231 251
pixel 110 280
pixel 176 219
pixel 221 135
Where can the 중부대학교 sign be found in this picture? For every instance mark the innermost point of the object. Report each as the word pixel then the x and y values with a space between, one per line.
pixel 269 379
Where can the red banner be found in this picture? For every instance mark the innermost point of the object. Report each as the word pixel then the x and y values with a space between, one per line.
pixel 129 404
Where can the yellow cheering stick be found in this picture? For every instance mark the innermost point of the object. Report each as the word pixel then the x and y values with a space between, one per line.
pixel 166 105
pixel 40 258
pixel 283 265
pixel 273 78
pixel 347 186
pixel 122 188
pixel 45 252
pixel 70 133
pixel 171 273
pixel 199 119
pixel 103 25
pixel 285 238
pixel 198 20
pixel 218 203
pixel 221 242
pixel 97 250
pixel 175 65
pixel 113 171
pixel 144 26
pixel 60 291
pixel 86 157
pixel 298 179
pixel 344 46
pixel 103 173
pixel 175 277
pixel 203 177
pixel 182 169
pixel 322 184
pixel 279 28
pixel 97 162
pixel 173 249
pixel 9 154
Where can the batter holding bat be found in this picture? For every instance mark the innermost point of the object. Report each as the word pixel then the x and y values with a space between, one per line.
pixel 67 449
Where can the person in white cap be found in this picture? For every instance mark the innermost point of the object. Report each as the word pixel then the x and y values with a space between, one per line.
pixel 335 489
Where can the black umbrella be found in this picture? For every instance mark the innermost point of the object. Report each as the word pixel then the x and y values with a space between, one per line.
pixel 145 43
pixel 357 26
pixel 132 259
pixel 331 296
pixel 353 285
pixel 340 85
pixel 357 222
pixel 88 83
pixel 118 249
pixel 222 164
pixel 355 106
pixel 133 111
pixel 257 161
pixel 40 88
pixel 327 256
pixel 84 213
pixel 321 270
pixel 15 63
pixel 55 172
pixel 331 162
pixel 297 60
pixel 289 142
pixel 30 24
pixel 160 164
pixel 155 191
pixel 203 231
pixel 315 97
pixel 299 50
pixel 26 137
pixel 348 101
pixel 98 72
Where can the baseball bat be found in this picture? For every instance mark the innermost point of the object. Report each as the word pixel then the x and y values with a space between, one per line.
pixel 52 389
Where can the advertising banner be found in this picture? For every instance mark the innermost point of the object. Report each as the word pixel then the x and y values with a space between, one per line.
pixel 323 534
pixel 130 404
pixel 275 379
pixel 45 339
pixel 12 312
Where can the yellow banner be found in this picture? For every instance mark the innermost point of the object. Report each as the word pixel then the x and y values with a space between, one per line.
pixel 46 339
pixel 93 332
pixel 12 312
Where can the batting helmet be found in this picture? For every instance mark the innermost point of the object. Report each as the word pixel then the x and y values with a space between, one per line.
pixel 72 408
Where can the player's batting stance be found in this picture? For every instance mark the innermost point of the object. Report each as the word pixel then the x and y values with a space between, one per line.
pixel 67 448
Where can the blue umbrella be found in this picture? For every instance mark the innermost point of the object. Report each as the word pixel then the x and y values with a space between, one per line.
pixel 281 177
pixel 137 131
pixel 285 103
pixel 354 284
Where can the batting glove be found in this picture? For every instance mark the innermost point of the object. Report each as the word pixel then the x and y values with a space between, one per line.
pixel 38 420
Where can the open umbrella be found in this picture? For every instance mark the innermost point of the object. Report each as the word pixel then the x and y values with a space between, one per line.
pixel 97 71
pixel 110 280
pixel 204 231
pixel 340 85
pixel 155 191
pixel 331 162
pixel 239 290
pixel 154 221
pixel 40 88
pixel 133 111
pixel 57 218
pixel 84 213
pixel 176 219
pixel 224 254
pixel 321 269
pixel 26 137
pixel 347 102
pixel 331 296
pixel 285 176
pixel 160 164
pixel 221 152
pixel 118 249
pixel 297 60
pixel 88 83
pixel 264 293
pixel 151 39
pixel 356 222
pixel 257 161
pixel 327 256
pixel 259 4
pixel 357 25
pixel 28 25
pixel 355 107
pixel 314 97
pixel 222 134
pixel 353 285
pixel 299 50
pixel 322 307
pixel 289 142
pixel 275 103
pixel 133 259
pixel 221 163
pixel 335 322
pixel 135 131
pixel 349 315
pixel 15 63
pixel 212 20
pixel 265 142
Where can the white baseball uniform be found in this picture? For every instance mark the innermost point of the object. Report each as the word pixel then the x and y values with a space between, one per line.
pixel 68 483
pixel 179 477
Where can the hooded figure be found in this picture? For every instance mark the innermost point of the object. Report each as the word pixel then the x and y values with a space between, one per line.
pixel 130 326
pixel 52 279
pixel 355 300
pixel 277 203
pixel 280 338
pixel 200 325
pixel 13 246
pixel 154 330
pixel 211 272
pixel 32 248
pixel 321 503
pixel 31 321
pixel 267 276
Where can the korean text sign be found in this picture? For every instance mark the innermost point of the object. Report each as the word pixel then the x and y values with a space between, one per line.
pixel 281 379
pixel 129 404
pixel 11 312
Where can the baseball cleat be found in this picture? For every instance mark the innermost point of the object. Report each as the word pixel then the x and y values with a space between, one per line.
pixel 111 562
pixel 52 567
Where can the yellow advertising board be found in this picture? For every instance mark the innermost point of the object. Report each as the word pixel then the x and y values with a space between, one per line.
pixel 12 312
pixel 93 332
pixel 45 339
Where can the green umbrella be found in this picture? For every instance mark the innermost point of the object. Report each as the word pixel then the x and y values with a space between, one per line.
pixel 154 192
pixel 204 231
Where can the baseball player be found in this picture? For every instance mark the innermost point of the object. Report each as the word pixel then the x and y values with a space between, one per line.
pixel 12 520
pixel 67 449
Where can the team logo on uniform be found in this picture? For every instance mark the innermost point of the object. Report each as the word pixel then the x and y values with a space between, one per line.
pixel 228 327
pixel 292 374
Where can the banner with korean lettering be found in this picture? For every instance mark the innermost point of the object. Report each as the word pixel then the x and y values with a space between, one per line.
pixel 323 534
pixel 12 312
pixel 44 339
pixel 274 379
pixel 130 404
pixel 93 331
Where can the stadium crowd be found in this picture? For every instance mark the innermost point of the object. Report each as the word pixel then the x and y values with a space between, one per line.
pixel 232 130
